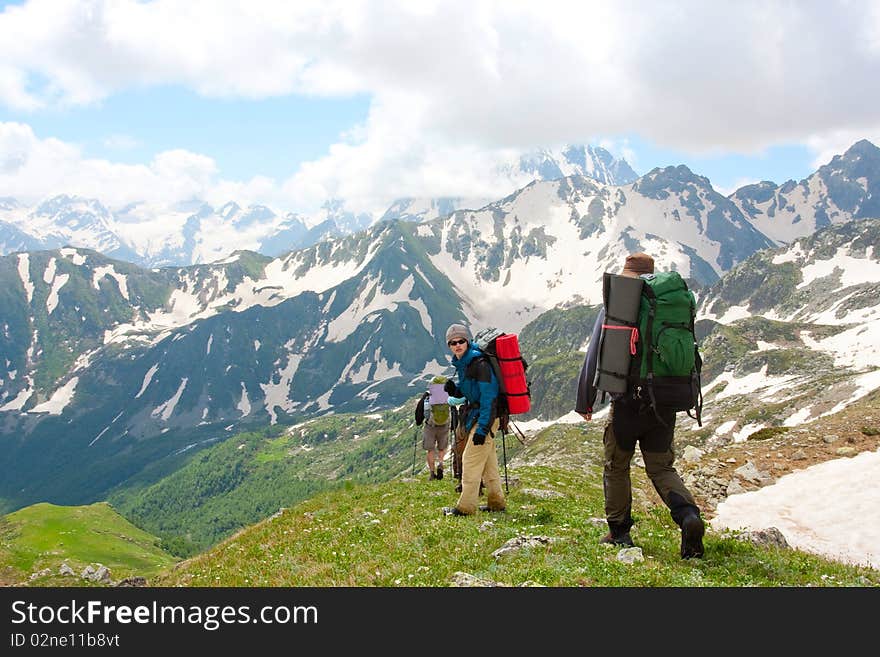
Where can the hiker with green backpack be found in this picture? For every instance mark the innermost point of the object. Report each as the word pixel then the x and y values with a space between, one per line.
pixel 435 417
pixel 643 354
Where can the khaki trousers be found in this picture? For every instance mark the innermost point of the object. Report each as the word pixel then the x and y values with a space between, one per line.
pixel 480 462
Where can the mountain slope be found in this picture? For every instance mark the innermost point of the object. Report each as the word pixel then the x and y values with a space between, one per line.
pixel 796 335
pixel 549 243
pixel 387 534
pixel 107 368
pixel 845 189
pixel 251 475
pixel 40 538
pixel 543 164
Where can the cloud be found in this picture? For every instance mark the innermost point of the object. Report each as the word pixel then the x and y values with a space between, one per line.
pixel 455 85
pixel 32 168
pixel 692 74
pixel 835 142
pixel 120 142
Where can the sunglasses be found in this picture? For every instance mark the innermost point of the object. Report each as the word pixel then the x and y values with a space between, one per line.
pixel 452 343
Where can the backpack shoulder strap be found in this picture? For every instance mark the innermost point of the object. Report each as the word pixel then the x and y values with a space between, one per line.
pixel 420 410
pixel 480 369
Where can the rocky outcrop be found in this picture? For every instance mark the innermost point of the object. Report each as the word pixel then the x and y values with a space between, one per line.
pixel 518 543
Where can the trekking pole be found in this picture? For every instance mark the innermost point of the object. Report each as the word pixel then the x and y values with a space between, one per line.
pixel 521 438
pixel 415 443
pixel 504 451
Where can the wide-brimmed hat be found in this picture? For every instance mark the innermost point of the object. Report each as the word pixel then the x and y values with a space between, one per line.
pixel 637 264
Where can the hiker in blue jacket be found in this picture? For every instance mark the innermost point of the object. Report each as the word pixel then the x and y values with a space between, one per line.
pixel 478 385
pixel 633 421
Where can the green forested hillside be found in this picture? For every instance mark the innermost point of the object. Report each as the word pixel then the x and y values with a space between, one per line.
pixel 250 476
pixel 550 345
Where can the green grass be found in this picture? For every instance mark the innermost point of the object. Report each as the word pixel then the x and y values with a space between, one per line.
pixel 44 535
pixel 767 433
pixel 249 476
pixel 393 534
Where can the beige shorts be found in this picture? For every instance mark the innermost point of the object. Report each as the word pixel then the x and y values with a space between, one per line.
pixel 435 439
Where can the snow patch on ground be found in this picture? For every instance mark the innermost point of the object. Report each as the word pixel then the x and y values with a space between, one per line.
pixel 147 378
pixel 853 271
pixel 73 255
pixel 166 409
pixel 59 399
pixel 244 404
pixel 748 384
pixel 828 509
pixel 24 273
pixel 108 270
pixel 277 394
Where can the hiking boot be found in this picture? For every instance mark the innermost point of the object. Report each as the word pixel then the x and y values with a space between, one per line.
pixel 692 530
pixel 458 488
pixel 624 539
pixel 432 477
pixel 452 511
pixel 440 471
pixel 486 507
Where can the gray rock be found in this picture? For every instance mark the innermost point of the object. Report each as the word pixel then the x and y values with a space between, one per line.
pixel 522 542
pixel 102 575
pixel 133 581
pixel 692 454
pixel 830 438
pixel 799 455
pixel 467 580
pixel 734 488
pixel 87 573
pixel 630 555
pixel 66 570
pixel 750 472
pixel 846 450
pixel 769 537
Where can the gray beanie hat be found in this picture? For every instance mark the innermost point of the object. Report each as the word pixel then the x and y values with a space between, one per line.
pixel 457 331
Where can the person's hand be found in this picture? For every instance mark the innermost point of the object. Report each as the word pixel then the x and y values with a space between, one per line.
pixel 479 438
pixel 586 416
pixel 449 387
pixel 456 401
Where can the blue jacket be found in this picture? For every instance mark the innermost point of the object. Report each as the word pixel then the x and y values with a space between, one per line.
pixel 481 390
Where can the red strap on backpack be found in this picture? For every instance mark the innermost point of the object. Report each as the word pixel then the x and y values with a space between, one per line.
pixel 633 337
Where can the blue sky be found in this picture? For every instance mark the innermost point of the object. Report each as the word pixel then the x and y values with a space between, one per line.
pixel 268 137
pixel 290 104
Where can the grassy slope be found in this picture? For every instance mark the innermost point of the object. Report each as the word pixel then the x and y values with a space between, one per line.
pixel 44 535
pixel 251 475
pixel 393 534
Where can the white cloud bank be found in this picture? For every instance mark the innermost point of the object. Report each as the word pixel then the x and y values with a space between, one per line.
pixel 454 84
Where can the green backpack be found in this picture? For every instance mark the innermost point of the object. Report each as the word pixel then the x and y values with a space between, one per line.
pixel 666 366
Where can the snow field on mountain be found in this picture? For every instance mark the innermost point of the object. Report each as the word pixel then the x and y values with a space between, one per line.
pixel 828 509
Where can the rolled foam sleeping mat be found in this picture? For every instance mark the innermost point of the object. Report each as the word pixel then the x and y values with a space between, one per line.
pixel 513 373
pixel 622 296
